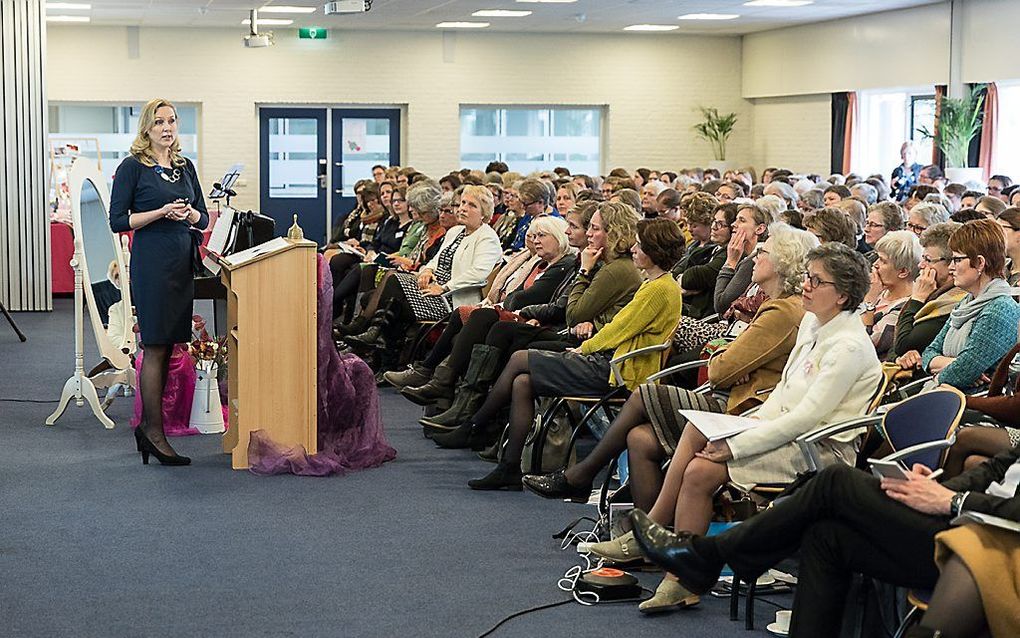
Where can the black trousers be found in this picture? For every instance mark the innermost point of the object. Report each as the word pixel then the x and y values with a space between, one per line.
pixel 843 524
pixel 459 339
pixel 511 336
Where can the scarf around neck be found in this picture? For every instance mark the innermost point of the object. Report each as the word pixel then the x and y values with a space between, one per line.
pixel 962 317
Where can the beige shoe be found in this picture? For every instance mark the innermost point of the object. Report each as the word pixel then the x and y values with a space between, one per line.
pixel 622 549
pixel 669 595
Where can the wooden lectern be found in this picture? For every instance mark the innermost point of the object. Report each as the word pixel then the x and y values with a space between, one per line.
pixel 271 347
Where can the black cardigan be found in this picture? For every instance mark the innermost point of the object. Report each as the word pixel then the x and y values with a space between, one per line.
pixel 542 289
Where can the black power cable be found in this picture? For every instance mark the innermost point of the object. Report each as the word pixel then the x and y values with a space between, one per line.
pixel 30 400
pixel 523 612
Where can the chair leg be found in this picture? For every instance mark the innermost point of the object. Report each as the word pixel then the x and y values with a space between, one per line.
pixel 909 620
pixel 735 598
pixel 749 605
pixel 10 320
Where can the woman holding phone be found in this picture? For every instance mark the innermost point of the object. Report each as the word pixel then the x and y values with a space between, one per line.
pixel 157 195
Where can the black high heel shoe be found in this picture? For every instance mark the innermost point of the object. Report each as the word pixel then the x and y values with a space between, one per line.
pixel 146 447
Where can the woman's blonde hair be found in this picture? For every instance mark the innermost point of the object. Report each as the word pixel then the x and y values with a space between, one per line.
pixel 555 226
pixel 620 224
pixel 141 148
pixel 484 197
pixel 788 253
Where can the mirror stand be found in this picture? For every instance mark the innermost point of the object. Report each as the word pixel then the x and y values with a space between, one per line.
pixel 79 386
pixel 10 320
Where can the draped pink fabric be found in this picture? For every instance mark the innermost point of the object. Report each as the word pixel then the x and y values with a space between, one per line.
pixel 989 126
pixel 350 431
pixel 178 395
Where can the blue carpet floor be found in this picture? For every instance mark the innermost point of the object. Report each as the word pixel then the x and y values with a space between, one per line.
pixel 92 543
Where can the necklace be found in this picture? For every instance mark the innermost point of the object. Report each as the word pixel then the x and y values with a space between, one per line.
pixel 162 172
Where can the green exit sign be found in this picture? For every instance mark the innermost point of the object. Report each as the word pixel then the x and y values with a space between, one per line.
pixel 312 33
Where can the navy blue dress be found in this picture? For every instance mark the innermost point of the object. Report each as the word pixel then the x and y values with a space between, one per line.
pixel 162 281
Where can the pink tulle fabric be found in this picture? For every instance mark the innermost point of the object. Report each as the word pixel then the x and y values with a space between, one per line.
pixel 177 396
pixel 350 431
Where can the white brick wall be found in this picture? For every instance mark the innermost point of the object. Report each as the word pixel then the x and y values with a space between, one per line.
pixel 793 132
pixel 651 85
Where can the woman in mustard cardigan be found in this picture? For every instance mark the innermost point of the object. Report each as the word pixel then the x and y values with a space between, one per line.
pixel 649 319
pixel 649 424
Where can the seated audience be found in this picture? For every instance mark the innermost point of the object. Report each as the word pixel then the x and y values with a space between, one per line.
pixel 892 281
pixel 649 319
pixel 750 228
pixel 833 194
pixel 990 206
pixel 454 276
pixel 830 376
pixel 997 184
pixel 649 425
pixel 882 218
pixel 843 522
pixel 705 255
pixel 981 329
pixel 933 296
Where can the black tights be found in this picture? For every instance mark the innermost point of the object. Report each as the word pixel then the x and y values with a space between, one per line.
pixel 955 608
pixel 151 382
pixel 460 338
pixel 975 444
pixel 629 430
pixel 512 387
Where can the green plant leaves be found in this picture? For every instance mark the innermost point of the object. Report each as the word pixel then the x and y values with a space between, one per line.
pixel 715 129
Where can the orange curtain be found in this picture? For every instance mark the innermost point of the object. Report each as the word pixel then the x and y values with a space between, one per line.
pixel 849 129
pixel 936 152
pixel 989 126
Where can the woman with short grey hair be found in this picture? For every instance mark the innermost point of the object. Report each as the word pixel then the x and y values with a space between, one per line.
pixel 924 215
pixel 892 282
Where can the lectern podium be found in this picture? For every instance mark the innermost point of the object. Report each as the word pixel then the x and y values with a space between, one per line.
pixel 271 347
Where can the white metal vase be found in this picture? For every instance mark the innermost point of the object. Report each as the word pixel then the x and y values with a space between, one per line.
pixel 206 410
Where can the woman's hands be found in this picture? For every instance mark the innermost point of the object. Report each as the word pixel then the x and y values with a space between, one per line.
pixel 589 258
pixel 737 248
pixel 715 451
pixel 584 330
pixel 939 363
pixel 176 211
pixel 875 291
pixel 433 290
pixel 924 285
pixel 919 492
pixel 425 278
pixel 910 360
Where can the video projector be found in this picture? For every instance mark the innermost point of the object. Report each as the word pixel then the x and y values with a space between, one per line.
pixel 347 6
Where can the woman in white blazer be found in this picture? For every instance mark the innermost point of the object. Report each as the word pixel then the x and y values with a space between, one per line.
pixel 830 376
pixel 454 277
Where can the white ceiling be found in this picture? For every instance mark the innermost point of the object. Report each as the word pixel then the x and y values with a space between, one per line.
pixel 583 16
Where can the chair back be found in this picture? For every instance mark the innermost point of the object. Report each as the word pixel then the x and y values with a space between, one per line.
pixel 929 416
pixel 883 387
pixel 491 278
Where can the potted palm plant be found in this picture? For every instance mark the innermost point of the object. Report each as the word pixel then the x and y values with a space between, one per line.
pixel 715 129
pixel 959 120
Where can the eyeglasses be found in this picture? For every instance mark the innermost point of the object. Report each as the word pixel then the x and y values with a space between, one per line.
pixel 815 281
pixel 397 200
pixel 928 260
pixel 526 204
pixel 994 189
pixel 917 229
pixel 874 225
pixel 955 260
pixel 716 224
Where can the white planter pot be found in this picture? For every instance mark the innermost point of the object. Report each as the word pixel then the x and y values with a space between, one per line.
pixel 721 165
pixel 206 410
pixel 965 175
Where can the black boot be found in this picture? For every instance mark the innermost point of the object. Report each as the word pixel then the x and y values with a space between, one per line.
pixel 506 476
pixel 482 371
pixel 439 386
pixel 469 435
pixel 373 336
pixel 357 326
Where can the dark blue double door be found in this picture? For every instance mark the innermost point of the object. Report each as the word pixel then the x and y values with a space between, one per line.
pixel 310 159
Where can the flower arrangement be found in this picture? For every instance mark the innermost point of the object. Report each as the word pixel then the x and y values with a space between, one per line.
pixel 206 351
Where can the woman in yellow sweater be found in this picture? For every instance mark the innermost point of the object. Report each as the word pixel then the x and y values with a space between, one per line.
pixel 649 319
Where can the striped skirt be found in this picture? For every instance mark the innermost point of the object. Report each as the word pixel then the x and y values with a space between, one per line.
pixel 663 404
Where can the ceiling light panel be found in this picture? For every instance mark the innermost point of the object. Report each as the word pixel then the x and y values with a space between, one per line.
pixel 68 6
pixel 500 13
pixel 462 25
pixel 708 16
pixel 651 27
pixel 68 19
pixel 778 3
pixel 270 22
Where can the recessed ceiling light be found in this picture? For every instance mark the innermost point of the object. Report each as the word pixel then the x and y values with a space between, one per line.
pixel 286 9
pixel 547 1
pixel 708 16
pixel 71 6
pixel 500 13
pixel 651 27
pixel 270 22
pixel 778 3
pixel 462 25
pixel 68 19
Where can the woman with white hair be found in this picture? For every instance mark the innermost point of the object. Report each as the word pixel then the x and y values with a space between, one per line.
pixel 924 215
pixel 892 282
pixel 649 192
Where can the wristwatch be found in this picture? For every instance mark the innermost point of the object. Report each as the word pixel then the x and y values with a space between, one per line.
pixel 583 272
pixel 956 503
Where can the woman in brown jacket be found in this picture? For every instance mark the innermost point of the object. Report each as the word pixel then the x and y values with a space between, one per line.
pixel 649 424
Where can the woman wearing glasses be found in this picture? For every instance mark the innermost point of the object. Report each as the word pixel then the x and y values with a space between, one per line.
pixel 883 217
pixel 1009 221
pixel 981 328
pixel 925 215
pixel 830 376
pixel 932 298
